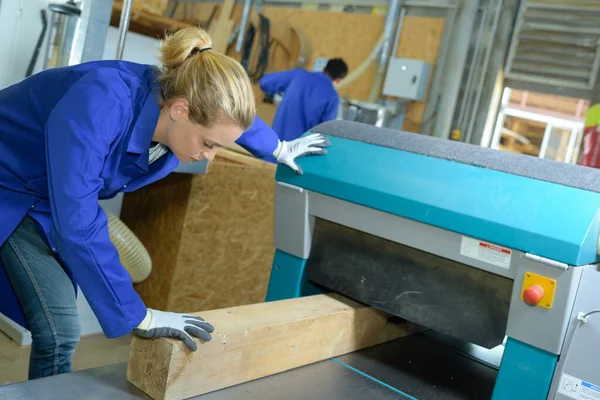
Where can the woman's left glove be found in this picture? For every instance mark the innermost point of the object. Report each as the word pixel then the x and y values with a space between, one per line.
pixel 287 152
pixel 159 324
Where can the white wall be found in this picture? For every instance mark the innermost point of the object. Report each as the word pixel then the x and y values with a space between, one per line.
pixel 138 48
pixel 20 27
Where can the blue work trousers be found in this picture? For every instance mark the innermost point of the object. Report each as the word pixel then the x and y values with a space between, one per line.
pixel 47 297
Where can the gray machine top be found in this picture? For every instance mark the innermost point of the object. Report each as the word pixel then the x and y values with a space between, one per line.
pixel 565 174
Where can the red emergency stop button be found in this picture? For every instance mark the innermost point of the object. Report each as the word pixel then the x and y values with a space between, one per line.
pixel 533 294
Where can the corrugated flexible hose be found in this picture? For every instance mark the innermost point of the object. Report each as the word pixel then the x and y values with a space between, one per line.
pixel 134 256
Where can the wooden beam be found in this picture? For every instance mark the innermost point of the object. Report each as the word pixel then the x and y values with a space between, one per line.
pixel 147 24
pixel 257 340
pixel 222 27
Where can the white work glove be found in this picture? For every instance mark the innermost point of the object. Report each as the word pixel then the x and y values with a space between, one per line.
pixel 159 324
pixel 277 99
pixel 287 152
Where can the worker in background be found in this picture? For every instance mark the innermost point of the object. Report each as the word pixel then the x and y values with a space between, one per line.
pixel 309 98
pixel 71 136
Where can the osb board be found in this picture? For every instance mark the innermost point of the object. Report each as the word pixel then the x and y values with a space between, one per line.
pixel 420 39
pixel 226 249
pixel 156 214
pixel 156 7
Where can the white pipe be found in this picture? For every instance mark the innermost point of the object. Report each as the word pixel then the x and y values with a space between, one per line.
pixel 486 62
pixel 388 30
pixel 243 23
pixel 466 98
pixel 518 136
pixel 456 63
pixel 571 145
pixel 123 27
pixel 545 140
pixel 363 67
pixel 398 31
pixel 438 75
pixel 384 56
pixel 133 255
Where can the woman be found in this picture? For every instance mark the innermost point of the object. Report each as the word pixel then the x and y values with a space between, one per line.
pixel 71 136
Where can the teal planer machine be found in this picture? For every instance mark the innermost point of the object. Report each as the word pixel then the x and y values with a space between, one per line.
pixel 495 253
pixel 492 251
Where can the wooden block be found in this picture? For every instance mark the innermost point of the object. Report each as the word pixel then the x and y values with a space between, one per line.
pixel 257 340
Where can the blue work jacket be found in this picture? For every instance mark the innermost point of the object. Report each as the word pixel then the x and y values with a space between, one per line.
pixel 69 137
pixel 309 98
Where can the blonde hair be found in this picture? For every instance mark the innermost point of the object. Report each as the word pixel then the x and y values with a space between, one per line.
pixel 211 82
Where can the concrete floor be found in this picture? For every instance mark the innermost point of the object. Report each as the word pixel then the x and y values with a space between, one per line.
pixel 93 351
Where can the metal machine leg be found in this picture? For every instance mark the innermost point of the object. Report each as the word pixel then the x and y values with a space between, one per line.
pixel 288 278
pixel 525 372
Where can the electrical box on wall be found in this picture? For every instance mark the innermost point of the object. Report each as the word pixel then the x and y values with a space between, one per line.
pixel 406 79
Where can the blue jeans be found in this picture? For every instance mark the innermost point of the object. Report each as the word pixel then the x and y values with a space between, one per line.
pixel 47 297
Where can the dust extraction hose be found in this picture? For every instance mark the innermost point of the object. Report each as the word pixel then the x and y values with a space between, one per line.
pixel 134 256
pixel 363 67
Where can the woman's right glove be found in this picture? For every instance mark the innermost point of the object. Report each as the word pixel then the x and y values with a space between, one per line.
pixel 159 324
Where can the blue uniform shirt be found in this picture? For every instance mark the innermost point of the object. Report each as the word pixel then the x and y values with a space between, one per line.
pixel 309 99
pixel 69 137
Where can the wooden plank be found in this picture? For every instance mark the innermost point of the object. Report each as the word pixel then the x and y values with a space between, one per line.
pixel 257 340
pixel 156 7
pixel 236 157
pixel 223 27
pixel 146 23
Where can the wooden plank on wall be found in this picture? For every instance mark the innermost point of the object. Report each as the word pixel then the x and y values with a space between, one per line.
pixel 258 340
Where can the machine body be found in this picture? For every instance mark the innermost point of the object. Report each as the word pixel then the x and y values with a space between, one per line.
pixel 484 246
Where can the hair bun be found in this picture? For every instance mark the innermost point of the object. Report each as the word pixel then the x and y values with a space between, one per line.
pixel 177 47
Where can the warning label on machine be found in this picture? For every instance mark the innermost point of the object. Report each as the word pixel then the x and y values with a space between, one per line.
pixel 486 252
pixel 578 389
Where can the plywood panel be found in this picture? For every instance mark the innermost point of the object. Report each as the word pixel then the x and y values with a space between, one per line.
pixel 227 243
pixel 420 40
pixel 210 236
pixel 156 214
